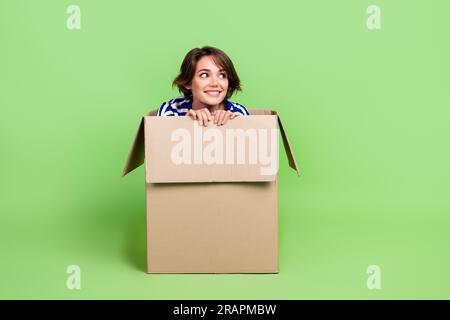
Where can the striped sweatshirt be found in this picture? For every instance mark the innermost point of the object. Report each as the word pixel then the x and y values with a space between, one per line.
pixel 181 106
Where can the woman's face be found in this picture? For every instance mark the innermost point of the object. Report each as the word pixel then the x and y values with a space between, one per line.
pixel 210 83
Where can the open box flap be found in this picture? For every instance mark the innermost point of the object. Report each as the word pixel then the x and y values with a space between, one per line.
pixel 136 155
pixel 287 147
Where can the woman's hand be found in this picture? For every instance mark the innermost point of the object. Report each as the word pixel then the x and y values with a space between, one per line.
pixel 202 115
pixel 220 117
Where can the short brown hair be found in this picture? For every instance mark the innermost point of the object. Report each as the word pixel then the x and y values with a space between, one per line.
pixel 187 70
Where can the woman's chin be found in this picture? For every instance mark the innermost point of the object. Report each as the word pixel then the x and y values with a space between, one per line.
pixel 213 101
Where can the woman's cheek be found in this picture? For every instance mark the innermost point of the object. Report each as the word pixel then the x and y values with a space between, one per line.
pixel 225 85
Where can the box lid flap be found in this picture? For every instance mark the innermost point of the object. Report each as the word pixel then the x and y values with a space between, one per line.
pixel 136 154
pixel 287 147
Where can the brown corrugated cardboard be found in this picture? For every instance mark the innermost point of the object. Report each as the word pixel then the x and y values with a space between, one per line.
pixel 212 199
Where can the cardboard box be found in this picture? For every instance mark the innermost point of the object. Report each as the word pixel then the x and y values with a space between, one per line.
pixel 211 192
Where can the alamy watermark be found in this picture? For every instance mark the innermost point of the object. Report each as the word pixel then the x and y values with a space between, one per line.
pixel 374 278
pixel 74 19
pixel 374 19
pixel 214 146
pixel 73 281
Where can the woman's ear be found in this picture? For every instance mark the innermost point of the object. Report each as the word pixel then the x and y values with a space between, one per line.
pixel 187 87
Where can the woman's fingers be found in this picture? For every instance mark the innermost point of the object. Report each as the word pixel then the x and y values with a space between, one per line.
pixel 208 113
pixel 192 114
pixel 200 117
pixel 206 116
pixel 219 117
pixel 234 115
pixel 216 115
pixel 203 116
pixel 227 117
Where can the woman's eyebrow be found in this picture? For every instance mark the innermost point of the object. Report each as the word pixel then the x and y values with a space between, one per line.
pixel 208 70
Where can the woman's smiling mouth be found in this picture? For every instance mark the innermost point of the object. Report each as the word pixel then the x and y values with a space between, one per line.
pixel 213 93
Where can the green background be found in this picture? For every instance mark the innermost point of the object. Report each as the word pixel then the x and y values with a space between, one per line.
pixel 367 112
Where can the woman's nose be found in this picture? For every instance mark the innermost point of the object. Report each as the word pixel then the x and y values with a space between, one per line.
pixel 213 80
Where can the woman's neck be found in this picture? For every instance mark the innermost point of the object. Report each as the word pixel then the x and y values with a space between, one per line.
pixel 196 105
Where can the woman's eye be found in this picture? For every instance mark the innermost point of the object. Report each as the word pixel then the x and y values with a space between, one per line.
pixel 223 75
pixel 203 75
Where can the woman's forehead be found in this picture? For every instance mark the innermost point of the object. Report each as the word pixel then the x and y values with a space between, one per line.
pixel 208 63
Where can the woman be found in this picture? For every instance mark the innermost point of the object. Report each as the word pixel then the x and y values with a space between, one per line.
pixel 207 79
